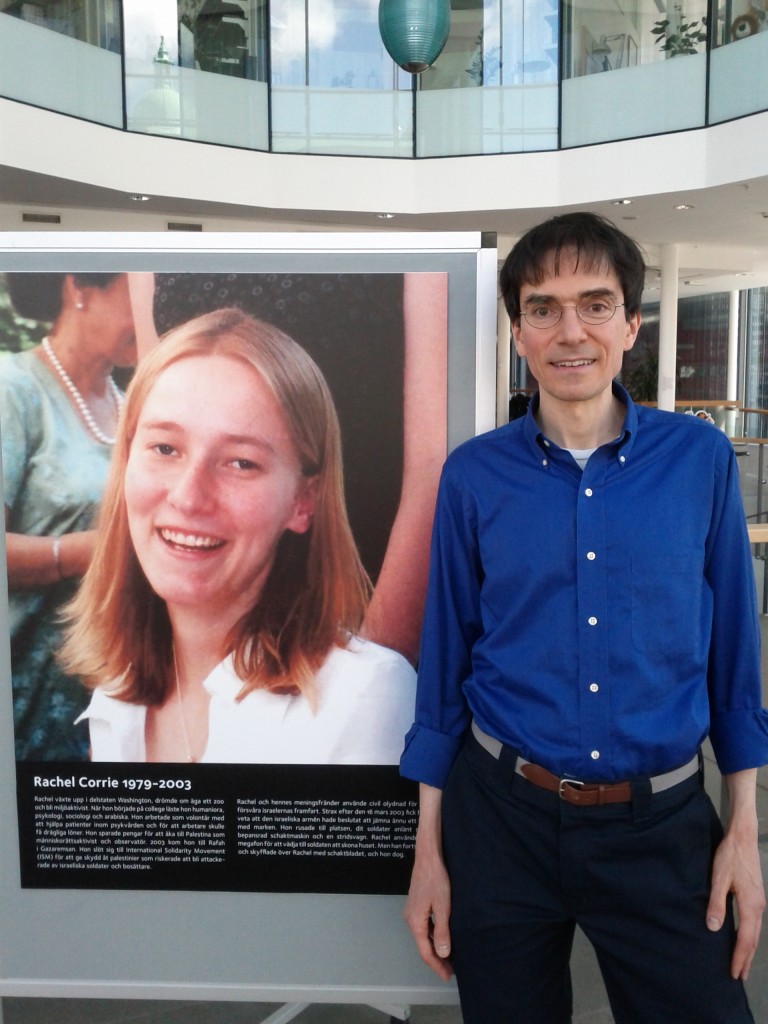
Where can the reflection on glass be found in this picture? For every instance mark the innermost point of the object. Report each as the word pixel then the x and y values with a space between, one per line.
pixel 739 19
pixel 91 21
pixel 331 44
pixel 756 360
pixel 63 55
pixel 599 39
pixel 334 87
pixel 494 87
pixel 494 44
pixel 191 67
pixel 208 69
pixel 738 84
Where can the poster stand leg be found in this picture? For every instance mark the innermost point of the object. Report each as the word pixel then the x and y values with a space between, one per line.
pixel 283 1015
pixel 291 1010
pixel 395 1012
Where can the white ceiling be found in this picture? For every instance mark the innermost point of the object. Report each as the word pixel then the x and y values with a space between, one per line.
pixel 722 238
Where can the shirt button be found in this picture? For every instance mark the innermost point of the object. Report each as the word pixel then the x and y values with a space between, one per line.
pixel 592 620
pixel 622 459
pixel 588 492
pixel 595 755
pixel 591 556
pixel 543 462
pixel 594 687
pixel 546 443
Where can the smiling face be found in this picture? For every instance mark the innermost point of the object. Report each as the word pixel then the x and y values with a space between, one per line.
pixel 213 481
pixel 574 361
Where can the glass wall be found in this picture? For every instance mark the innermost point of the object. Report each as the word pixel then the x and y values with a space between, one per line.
pixel 756 370
pixel 494 87
pixel 740 44
pixel 334 87
pixel 702 351
pixel 95 23
pixel 312 76
pixel 77 42
pixel 632 69
pixel 197 69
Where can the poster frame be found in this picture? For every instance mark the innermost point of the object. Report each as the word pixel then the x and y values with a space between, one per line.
pixel 278 947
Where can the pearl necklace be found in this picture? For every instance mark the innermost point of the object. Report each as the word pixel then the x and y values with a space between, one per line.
pixel 78 399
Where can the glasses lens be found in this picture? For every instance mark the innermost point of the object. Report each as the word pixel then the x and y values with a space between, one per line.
pixel 543 316
pixel 596 311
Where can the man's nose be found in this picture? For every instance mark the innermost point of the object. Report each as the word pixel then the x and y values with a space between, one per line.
pixel 571 325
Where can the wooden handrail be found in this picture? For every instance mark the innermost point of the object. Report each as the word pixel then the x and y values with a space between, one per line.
pixel 702 403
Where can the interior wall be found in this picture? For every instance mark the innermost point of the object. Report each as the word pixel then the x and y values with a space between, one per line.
pixel 65 147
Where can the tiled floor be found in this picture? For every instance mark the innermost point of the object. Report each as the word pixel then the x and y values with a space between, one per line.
pixel 591 1006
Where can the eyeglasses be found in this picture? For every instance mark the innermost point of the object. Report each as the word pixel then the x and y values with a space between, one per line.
pixel 590 311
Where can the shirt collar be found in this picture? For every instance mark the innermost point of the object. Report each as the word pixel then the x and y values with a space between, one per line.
pixel 623 443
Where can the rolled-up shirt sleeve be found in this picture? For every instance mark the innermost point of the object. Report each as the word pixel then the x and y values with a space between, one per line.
pixel 452 624
pixel 738 723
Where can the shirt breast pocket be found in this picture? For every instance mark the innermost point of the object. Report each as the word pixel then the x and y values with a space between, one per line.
pixel 666 601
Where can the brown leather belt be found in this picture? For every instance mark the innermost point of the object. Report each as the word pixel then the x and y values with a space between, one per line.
pixel 585 794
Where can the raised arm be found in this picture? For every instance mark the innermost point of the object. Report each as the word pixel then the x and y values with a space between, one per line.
pixel 141 288
pixel 394 615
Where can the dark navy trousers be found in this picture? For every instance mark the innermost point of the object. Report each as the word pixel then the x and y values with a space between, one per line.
pixel 526 867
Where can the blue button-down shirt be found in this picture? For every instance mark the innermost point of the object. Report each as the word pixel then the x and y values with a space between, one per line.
pixel 601 622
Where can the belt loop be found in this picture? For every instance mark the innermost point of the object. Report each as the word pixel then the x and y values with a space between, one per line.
pixel 507 762
pixel 642 799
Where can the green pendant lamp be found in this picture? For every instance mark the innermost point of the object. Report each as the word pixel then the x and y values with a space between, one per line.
pixel 414 31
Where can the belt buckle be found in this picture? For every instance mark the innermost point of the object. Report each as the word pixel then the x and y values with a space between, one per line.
pixel 576 783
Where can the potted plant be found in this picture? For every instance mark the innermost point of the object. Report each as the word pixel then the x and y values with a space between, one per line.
pixel 677 36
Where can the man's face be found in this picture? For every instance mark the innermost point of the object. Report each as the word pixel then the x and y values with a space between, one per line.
pixel 574 361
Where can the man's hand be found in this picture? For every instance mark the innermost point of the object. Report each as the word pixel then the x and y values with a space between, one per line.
pixel 736 870
pixel 428 907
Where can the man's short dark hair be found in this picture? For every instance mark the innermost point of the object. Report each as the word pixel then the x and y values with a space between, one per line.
pixel 595 240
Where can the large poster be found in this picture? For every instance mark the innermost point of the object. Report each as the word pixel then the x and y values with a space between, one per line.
pixel 215 577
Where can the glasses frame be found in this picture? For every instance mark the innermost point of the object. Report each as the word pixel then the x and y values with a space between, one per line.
pixel 571 305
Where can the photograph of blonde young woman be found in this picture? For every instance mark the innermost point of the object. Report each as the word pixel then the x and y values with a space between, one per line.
pixel 227 616
pixel 59 408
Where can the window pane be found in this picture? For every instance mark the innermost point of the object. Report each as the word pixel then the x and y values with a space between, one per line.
pixel 738 83
pixel 197 69
pixel 91 21
pixel 78 44
pixel 334 87
pixel 494 87
pixel 651 55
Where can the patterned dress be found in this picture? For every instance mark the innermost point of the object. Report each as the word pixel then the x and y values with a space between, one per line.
pixel 53 477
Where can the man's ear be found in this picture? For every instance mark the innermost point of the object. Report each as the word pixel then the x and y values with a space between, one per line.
pixel 633 326
pixel 517 335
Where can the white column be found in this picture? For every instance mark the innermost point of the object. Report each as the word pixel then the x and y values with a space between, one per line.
pixel 732 379
pixel 503 364
pixel 668 326
pixel 732 382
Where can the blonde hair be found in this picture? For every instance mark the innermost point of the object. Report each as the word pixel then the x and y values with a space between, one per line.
pixel 118 630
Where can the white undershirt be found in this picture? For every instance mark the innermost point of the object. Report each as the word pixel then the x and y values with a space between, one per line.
pixel 581 455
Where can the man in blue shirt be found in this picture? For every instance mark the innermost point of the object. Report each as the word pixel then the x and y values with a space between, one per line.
pixel 591 618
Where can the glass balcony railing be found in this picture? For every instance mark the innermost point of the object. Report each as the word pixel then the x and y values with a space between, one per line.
pixel 313 77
